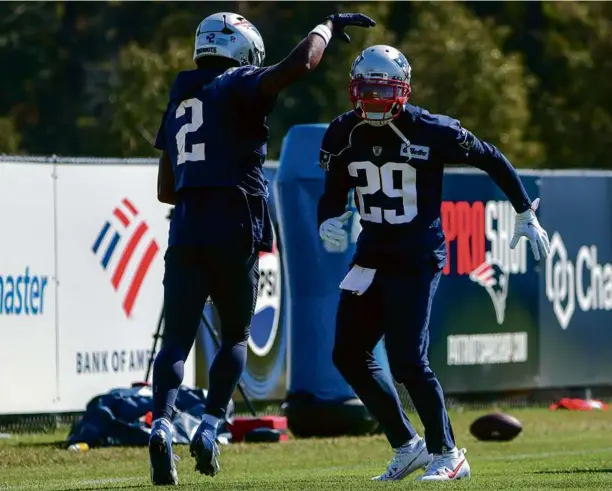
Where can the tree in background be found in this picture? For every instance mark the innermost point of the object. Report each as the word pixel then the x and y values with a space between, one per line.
pixel 139 93
pixel 459 69
pixel 9 137
pixel 92 78
pixel 574 107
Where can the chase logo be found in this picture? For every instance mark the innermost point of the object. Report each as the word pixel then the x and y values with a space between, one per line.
pixel 123 238
pixel 264 325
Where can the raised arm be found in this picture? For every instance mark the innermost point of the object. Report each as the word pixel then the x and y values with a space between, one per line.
pixel 465 148
pixel 306 56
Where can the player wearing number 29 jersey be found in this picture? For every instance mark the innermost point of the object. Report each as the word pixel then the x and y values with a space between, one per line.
pixel 213 139
pixel 393 154
pixel 396 170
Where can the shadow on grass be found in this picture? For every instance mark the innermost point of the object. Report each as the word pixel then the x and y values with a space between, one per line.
pixel 58 444
pixel 576 471
pixel 118 486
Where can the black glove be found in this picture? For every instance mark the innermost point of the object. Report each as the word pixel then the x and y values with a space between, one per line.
pixel 340 21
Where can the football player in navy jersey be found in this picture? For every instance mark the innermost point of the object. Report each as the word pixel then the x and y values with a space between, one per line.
pixel 393 155
pixel 213 137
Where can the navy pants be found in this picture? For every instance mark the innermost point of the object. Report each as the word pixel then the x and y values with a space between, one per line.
pixel 193 273
pixel 396 306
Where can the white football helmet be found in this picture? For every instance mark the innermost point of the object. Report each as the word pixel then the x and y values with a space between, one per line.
pixel 380 84
pixel 230 36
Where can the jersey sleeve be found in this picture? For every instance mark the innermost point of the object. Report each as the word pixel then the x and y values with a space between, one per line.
pixel 160 140
pixel 333 159
pixel 244 82
pixel 463 147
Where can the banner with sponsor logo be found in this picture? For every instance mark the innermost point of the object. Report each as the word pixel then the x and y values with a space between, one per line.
pixel 81 265
pixel 111 237
pixel 576 280
pixel 28 289
pixel 484 323
pixel 498 314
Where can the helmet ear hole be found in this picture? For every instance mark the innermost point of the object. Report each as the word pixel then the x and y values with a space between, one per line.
pixel 251 57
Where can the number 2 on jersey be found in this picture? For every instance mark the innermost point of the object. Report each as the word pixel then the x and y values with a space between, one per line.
pixel 381 178
pixel 197 153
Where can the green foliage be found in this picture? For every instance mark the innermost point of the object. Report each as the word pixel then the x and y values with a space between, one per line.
pixel 574 110
pixel 92 78
pixel 9 137
pixel 139 93
pixel 459 69
pixel 558 450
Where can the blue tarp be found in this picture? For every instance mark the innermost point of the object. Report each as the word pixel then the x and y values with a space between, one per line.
pixel 119 417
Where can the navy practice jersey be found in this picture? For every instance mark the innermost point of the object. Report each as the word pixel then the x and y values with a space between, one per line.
pixel 399 185
pixel 214 130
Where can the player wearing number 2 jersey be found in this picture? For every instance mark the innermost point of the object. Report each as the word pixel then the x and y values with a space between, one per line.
pixel 393 154
pixel 213 137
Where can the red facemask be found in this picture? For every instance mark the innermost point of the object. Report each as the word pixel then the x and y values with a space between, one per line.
pixel 378 99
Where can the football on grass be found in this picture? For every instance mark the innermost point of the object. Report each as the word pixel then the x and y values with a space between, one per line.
pixel 496 427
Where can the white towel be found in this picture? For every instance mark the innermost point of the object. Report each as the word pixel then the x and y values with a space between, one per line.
pixel 358 280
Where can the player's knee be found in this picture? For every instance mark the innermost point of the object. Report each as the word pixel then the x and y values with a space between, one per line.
pixel 345 359
pixel 232 334
pixel 409 371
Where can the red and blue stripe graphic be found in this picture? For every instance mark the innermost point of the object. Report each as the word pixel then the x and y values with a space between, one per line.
pixel 127 216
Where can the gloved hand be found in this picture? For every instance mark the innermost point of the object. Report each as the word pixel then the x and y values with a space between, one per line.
pixel 332 229
pixel 340 21
pixel 527 225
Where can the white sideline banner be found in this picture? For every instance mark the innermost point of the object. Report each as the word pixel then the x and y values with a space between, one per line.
pixel 28 373
pixel 112 235
pixel 94 237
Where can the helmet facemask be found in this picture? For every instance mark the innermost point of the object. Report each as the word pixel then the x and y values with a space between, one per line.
pixel 378 100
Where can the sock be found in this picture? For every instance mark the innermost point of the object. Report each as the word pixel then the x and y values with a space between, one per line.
pixel 412 442
pixel 453 452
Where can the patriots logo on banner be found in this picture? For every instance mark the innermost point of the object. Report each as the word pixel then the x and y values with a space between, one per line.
pixel 495 282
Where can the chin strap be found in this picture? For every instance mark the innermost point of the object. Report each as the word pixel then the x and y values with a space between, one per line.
pixel 402 137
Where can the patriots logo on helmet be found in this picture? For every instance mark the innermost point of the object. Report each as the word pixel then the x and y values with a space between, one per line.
pixel 495 281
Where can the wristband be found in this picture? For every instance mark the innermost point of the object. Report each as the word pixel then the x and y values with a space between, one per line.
pixel 323 31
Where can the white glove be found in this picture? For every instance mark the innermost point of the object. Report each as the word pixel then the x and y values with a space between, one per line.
pixel 332 229
pixel 527 225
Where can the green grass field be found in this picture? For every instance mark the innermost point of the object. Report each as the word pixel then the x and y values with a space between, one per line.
pixel 557 450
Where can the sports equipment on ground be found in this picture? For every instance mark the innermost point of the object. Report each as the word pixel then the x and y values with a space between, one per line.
pixel 498 427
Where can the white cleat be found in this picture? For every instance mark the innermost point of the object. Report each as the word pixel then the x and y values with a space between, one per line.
pixel 448 466
pixel 407 459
